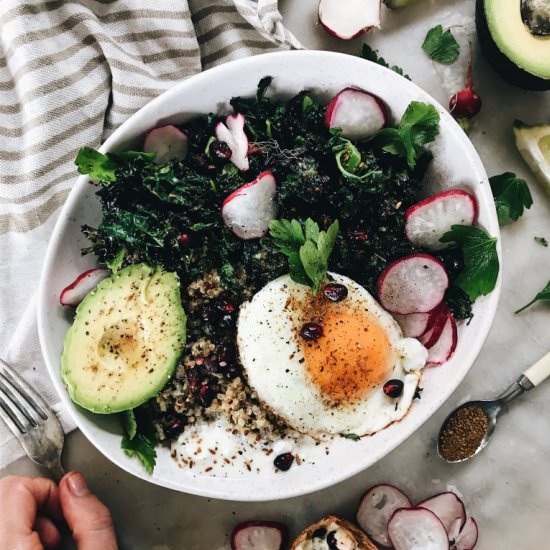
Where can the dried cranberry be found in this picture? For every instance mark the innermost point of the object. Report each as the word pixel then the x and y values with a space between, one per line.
pixel 284 462
pixel 206 394
pixel 393 388
pixel 174 426
pixel 220 150
pixel 184 240
pixel 359 236
pixel 228 312
pixel 194 378
pixel 335 292
pixel 311 331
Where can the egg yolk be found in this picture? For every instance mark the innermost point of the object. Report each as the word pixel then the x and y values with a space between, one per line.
pixel 352 357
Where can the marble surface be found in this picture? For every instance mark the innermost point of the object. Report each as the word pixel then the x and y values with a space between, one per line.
pixel 507 487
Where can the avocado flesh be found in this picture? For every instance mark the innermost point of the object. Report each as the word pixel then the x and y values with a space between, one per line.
pixel 519 56
pixel 533 143
pixel 126 340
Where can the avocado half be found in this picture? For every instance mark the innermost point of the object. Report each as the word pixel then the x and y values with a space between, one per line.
pixel 514 42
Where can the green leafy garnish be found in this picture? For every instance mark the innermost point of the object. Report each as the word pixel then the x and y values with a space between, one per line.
pixel 511 194
pixel 441 46
pixel 348 159
pixel 139 439
pixel 418 126
pixel 115 264
pixel 542 241
pixel 544 294
pixel 372 55
pixel 352 436
pixel 308 249
pixel 481 265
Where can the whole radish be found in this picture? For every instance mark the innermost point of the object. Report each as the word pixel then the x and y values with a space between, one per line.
pixel 466 103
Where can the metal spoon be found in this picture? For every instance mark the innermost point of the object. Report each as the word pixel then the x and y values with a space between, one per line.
pixel 531 378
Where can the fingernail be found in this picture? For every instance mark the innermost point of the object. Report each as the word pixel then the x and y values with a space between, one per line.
pixel 77 485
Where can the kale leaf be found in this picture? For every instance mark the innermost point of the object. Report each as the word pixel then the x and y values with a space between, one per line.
pixel 511 194
pixel 372 55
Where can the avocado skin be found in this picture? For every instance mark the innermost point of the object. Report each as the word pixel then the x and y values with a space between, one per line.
pixel 505 68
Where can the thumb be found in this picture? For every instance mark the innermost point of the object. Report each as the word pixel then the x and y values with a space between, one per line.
pixel 88 518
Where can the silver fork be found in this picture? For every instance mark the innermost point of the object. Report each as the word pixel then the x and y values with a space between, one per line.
pixel 32 421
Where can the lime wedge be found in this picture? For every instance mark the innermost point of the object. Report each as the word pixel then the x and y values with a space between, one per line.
pixel 533 143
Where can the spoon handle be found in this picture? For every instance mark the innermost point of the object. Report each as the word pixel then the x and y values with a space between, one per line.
pixel 540 371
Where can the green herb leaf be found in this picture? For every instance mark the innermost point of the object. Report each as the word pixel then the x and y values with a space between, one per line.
pixel 511 194
pixel 308 249
pixel 372 55
pixel 544 294
pixel 139 439
pixel 129 423
pixel 352 436
pixel 441 46
pixel 115 264
pixel 542 241
pixel 481 265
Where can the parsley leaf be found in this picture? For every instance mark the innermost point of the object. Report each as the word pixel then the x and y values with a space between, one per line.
pixel 139 439
pixel 308 249
pixel 542 241
pixel 481 265
pixel 372 55
pixel 441 45
pixel 511 194
pixel 419 125
pixel 544 294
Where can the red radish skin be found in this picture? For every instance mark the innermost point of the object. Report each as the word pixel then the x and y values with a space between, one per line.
pixel 417 529
pixel 358 113
pixel 445 346
pixel 436 325
pixel 259 535
pixel 428 220
pixel 413 284
pixel 232 133
pixel 466 103
pixel 413 325
pixel 448 508
pixel 75 292
pixel 467 539
pixel 349 21
pixel 250 208
pixel 168 142
pixel 376 508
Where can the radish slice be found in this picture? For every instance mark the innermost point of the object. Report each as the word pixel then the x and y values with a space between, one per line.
pixel 445 346
pixel 74 293
pixel 413 284
pixel 438 318
pixel 232 133
pixel 349 19
pixel 358 113
pixel 413 325
pixel 448 508
pixel 250 208
pixel 377 506
pixel 417 529
pixel 258 535
pixel 428 220
pixel 467 539
pixel 168 142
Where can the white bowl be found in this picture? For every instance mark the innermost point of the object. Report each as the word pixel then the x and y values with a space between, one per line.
pixel 456 163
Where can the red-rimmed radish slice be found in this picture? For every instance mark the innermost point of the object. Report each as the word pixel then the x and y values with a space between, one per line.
pixel 349 19
pixel 438 318
pixel 258 535
pixel 428 220
pixel 448 508
pixel 413 284
pixel 168 142
pixel 358 113
pixel 232 133
pixel 445 346
pixel 75 292
pixel 417 529
pixel 376 508
pixel 467 539
pixel 250 208
pixel 413 325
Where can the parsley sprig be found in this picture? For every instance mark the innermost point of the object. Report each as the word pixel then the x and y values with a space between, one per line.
pixel 139 439
pixel 543 295
pixel 441 46
pixel 308 249
pixel 511 194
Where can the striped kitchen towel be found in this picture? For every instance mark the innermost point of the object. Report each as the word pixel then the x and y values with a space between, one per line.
pixel 70 72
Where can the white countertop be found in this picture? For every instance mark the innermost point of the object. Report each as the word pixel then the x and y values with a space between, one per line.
pixel 507 487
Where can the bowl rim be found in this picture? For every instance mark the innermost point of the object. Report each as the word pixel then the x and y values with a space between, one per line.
pixel 355 467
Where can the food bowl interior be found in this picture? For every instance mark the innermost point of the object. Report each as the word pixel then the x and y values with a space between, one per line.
pixel 455 164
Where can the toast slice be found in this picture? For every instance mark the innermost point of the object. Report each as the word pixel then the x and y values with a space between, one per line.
pixel 343 535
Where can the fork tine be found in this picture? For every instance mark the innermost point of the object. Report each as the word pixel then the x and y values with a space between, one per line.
pixel 10 417
pixel 11 398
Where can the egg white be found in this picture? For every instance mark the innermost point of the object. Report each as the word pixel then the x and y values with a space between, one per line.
pixel 274 365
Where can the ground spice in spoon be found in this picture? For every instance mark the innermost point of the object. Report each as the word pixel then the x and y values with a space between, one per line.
pixel 463 433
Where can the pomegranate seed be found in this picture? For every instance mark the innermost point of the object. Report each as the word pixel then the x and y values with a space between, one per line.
pixel 335 292
pixel 284 462
pixel 393 388
pixel 311 331
pixel 220 150
pixel 184 240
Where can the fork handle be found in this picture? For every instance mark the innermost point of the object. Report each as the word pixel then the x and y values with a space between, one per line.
pixel 540 371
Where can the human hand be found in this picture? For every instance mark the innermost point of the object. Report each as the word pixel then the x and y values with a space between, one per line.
pixel 30 508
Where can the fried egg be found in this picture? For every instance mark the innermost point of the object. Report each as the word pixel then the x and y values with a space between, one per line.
pixel 327 377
